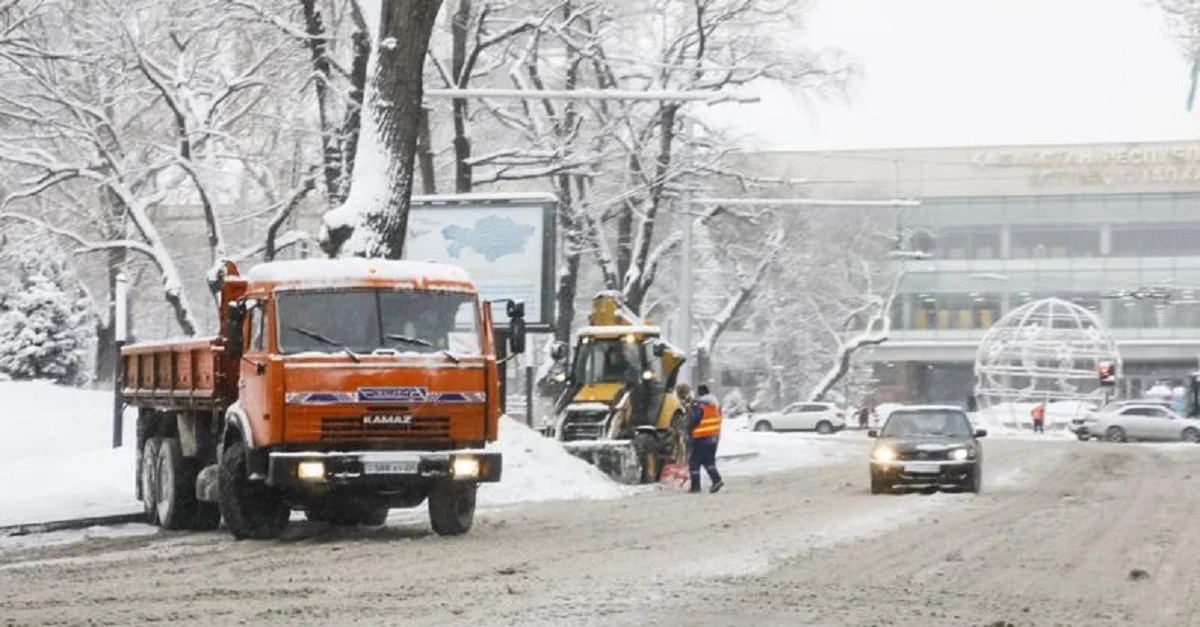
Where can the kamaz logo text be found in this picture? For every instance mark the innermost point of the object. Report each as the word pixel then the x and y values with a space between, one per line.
pixel 394 419
pixel 391 394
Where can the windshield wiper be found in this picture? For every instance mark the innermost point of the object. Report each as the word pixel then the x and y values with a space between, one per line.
pixel 408 340
pixel 423 343
pixel 326 341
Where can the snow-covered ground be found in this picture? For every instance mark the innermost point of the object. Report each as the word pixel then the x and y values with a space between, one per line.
pixel 58 459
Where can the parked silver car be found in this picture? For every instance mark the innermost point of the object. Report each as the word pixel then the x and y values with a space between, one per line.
pixel 1147 422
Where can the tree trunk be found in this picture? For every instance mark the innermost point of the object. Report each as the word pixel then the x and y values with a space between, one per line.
pixel 382 188
pixel 425 155
pixel 461 77
pixel 351 128
pixel 702 371
pixel 331 159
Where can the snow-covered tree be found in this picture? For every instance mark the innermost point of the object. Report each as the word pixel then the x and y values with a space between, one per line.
pixel 373 221
pixel 45 322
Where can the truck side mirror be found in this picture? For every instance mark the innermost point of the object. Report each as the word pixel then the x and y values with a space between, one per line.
pixel 516 327
pixel 235 317
pixel 660 349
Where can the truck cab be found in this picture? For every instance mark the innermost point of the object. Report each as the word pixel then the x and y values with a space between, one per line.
pixel 342 388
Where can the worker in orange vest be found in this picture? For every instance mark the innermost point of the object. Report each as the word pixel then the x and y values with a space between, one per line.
pixel 1039 418
pixel 704 430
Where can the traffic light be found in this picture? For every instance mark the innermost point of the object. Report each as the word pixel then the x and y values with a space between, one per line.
pixel 1108 376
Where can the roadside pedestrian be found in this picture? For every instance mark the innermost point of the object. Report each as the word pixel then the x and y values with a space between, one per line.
pixel 704 429
pixel 1039 418
pixel 864 416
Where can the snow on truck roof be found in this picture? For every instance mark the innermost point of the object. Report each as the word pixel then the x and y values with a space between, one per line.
pixel 320 271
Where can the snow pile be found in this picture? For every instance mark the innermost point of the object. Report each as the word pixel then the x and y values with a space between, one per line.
pixel 58 460
pixel 742 453
pixel 537 468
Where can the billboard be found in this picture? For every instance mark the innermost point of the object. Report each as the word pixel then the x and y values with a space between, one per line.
pixel 505 241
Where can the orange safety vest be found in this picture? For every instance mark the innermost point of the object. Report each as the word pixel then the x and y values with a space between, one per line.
pixel 1039 412
pixel 710 422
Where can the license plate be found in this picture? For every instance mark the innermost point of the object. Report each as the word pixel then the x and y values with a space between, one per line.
pixel 401 467
pixel 922 468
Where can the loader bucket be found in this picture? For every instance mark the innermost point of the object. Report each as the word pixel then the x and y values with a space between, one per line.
pixel 615 458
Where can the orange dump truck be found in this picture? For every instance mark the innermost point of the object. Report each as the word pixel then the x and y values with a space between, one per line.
pixel 342 388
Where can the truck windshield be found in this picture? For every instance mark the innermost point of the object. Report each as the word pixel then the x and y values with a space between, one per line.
pixel 607 361
pixel 363 321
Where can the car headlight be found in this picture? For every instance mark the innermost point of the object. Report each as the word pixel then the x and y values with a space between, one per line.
pixel 960 454
pixel 883 454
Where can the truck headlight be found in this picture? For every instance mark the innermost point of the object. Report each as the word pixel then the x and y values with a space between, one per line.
pixel 960 454
pixel 883 454
pixel 466 468
pixel 311 471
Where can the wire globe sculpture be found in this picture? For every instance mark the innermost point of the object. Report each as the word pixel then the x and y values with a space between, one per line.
pixel 1047 351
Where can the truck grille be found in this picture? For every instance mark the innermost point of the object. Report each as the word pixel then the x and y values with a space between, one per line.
pixel 353 428
pixel 583 426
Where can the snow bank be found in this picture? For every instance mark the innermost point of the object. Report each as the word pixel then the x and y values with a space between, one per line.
pixel 1008 415
pixel 744 453
pixel 58 460
pixel 537 468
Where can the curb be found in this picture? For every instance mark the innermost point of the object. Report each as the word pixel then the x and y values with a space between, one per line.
pixel 26 529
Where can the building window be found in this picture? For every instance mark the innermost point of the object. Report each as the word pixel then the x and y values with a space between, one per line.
pixel 1156 240
pixel 1030 242
pixel 981 242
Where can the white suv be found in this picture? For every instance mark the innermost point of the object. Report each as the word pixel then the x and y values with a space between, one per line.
pixel 823 418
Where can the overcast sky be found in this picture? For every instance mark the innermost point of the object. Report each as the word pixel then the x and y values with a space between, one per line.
pixel 965 72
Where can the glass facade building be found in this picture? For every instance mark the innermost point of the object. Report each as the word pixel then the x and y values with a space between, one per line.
pixel 1114 228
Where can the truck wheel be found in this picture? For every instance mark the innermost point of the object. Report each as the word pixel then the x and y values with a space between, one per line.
pixel 149 479
pixel 452 508
pixel 176 494
pixel 251 510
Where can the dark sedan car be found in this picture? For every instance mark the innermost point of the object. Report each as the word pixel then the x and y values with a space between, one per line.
pixel 927 446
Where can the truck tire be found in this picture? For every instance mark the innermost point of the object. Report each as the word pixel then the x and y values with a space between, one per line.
pixel 452 508
pixel 148 469
pixel 176 494
pixel 251 511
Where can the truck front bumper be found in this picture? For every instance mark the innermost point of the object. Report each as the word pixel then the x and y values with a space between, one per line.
pixel 314 469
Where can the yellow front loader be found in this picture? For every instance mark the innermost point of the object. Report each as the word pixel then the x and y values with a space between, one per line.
pixel 619 410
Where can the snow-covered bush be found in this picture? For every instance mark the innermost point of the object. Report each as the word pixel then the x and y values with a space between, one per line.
pixel 44 323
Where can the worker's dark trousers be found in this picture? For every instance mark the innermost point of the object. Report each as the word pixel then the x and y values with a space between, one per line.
pixel 1039 426
pixel 703 454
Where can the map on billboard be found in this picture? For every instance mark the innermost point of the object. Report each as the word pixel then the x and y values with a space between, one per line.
pixel 505 242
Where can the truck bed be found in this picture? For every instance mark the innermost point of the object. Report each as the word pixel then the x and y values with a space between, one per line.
pixel 183 374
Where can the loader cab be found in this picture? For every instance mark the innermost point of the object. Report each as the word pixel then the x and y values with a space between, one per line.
pixel 607 364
